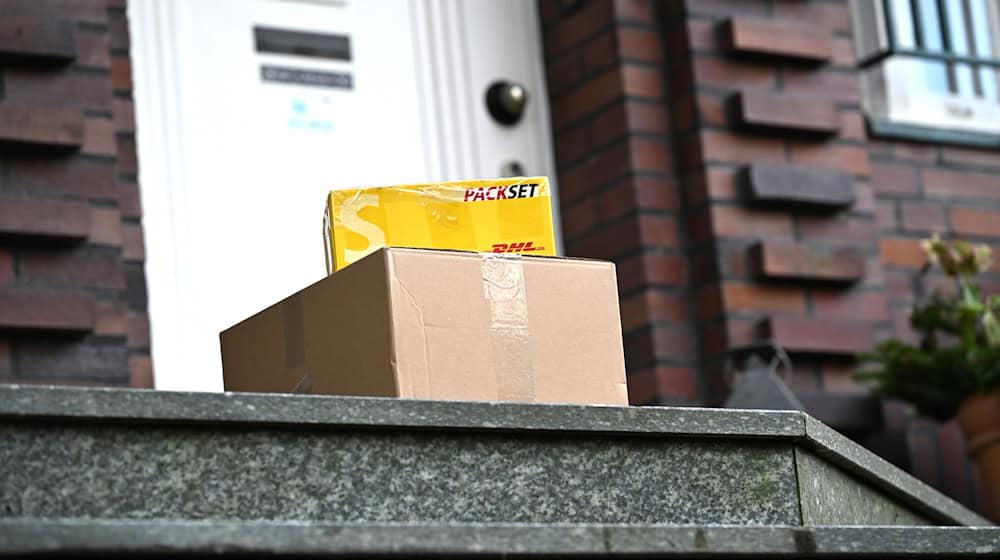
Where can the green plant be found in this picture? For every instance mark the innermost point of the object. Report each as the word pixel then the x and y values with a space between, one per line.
pixel 958 353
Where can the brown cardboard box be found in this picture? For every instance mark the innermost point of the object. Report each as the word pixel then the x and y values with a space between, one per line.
pixel 440 325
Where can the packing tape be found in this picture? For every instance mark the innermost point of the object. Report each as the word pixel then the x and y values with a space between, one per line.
pixel 503 288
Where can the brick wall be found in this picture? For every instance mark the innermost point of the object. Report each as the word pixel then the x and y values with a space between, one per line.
pixel 619 187
pixel 716 150
pixel 72 288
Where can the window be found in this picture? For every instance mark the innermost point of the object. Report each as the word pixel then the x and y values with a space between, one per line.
pixel 930 68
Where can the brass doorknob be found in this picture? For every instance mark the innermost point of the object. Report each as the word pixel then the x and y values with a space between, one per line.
pixel 506 101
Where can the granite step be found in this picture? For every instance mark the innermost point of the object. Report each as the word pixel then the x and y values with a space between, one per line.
pixel 119 455
pixel 183 539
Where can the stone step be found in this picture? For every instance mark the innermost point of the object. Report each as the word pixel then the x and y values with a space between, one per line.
pixel 146 455
pixel 176 539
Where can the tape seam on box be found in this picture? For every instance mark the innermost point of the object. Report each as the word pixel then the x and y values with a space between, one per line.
pixel 503 288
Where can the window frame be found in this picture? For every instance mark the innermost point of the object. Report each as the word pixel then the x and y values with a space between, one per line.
pixel 887 93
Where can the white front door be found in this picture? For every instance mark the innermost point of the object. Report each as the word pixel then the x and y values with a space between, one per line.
pixel 249 111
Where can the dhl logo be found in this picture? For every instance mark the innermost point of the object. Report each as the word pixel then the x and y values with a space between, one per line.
pixel 522 247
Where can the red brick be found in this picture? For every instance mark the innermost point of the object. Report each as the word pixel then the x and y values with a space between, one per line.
pixel 843 53
pixel 762 298
pixel 902 252
pixel 118 30
pixel 609 125
pixel 893 179
pixel 6 267
pixel 649 155
pixel 32 125
pixel 922 217
pixel 589 175
pixel 564 72
pixel 734 221
pixel 600 52
pixel 579 217
pixel 640 44
pixel 664 270
pixel 651 269
pixel 140 372
pixel 729 7
pixel 37 37
pixel 702 34
pixel 138 330
pixel 923 153
pixel 804 262
pixel 127 163
pixel 674 344
pixel 831 16
pixel 587 21
pixel 99 136
pixel 651 385
pixel 732 73
pixel 778 38
pixel 818 336
pixel 652 306
pixel 44 219
pixel 658 231
pixel 901 327
pixel 976 222
pixel 711 110
pixel 960 184
pixel 849 159
pixel 726 147
pixel 685 114
pixel 635 11
pixel 89 178
pixel 6 365
pixel 721 184
pixel 885 215
pixel 121 74
pixel 110 319
pixel 129 201
pixel 643 116
pixel 709 302
pixel 971 157
pixel 836 86
pixel 124 115
pixel 93 48
pixel 770 110
pixel 864 198
pixel 80 10
pixel 24 309
pixel 638 192
pixel 642 81
pixel 838 230
pixel 106 226
pixel 70 90
pixel 855 304
pixel 852 125
pixel 133 245
pixel 73 269
pixel 571 144
pixel 585 99
pixel 614 240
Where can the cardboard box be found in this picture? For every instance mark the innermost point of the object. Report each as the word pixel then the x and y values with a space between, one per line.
pixel 441 325
pixel 511 215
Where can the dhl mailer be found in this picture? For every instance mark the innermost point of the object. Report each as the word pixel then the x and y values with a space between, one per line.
pixel 441 325
pixel 511 215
